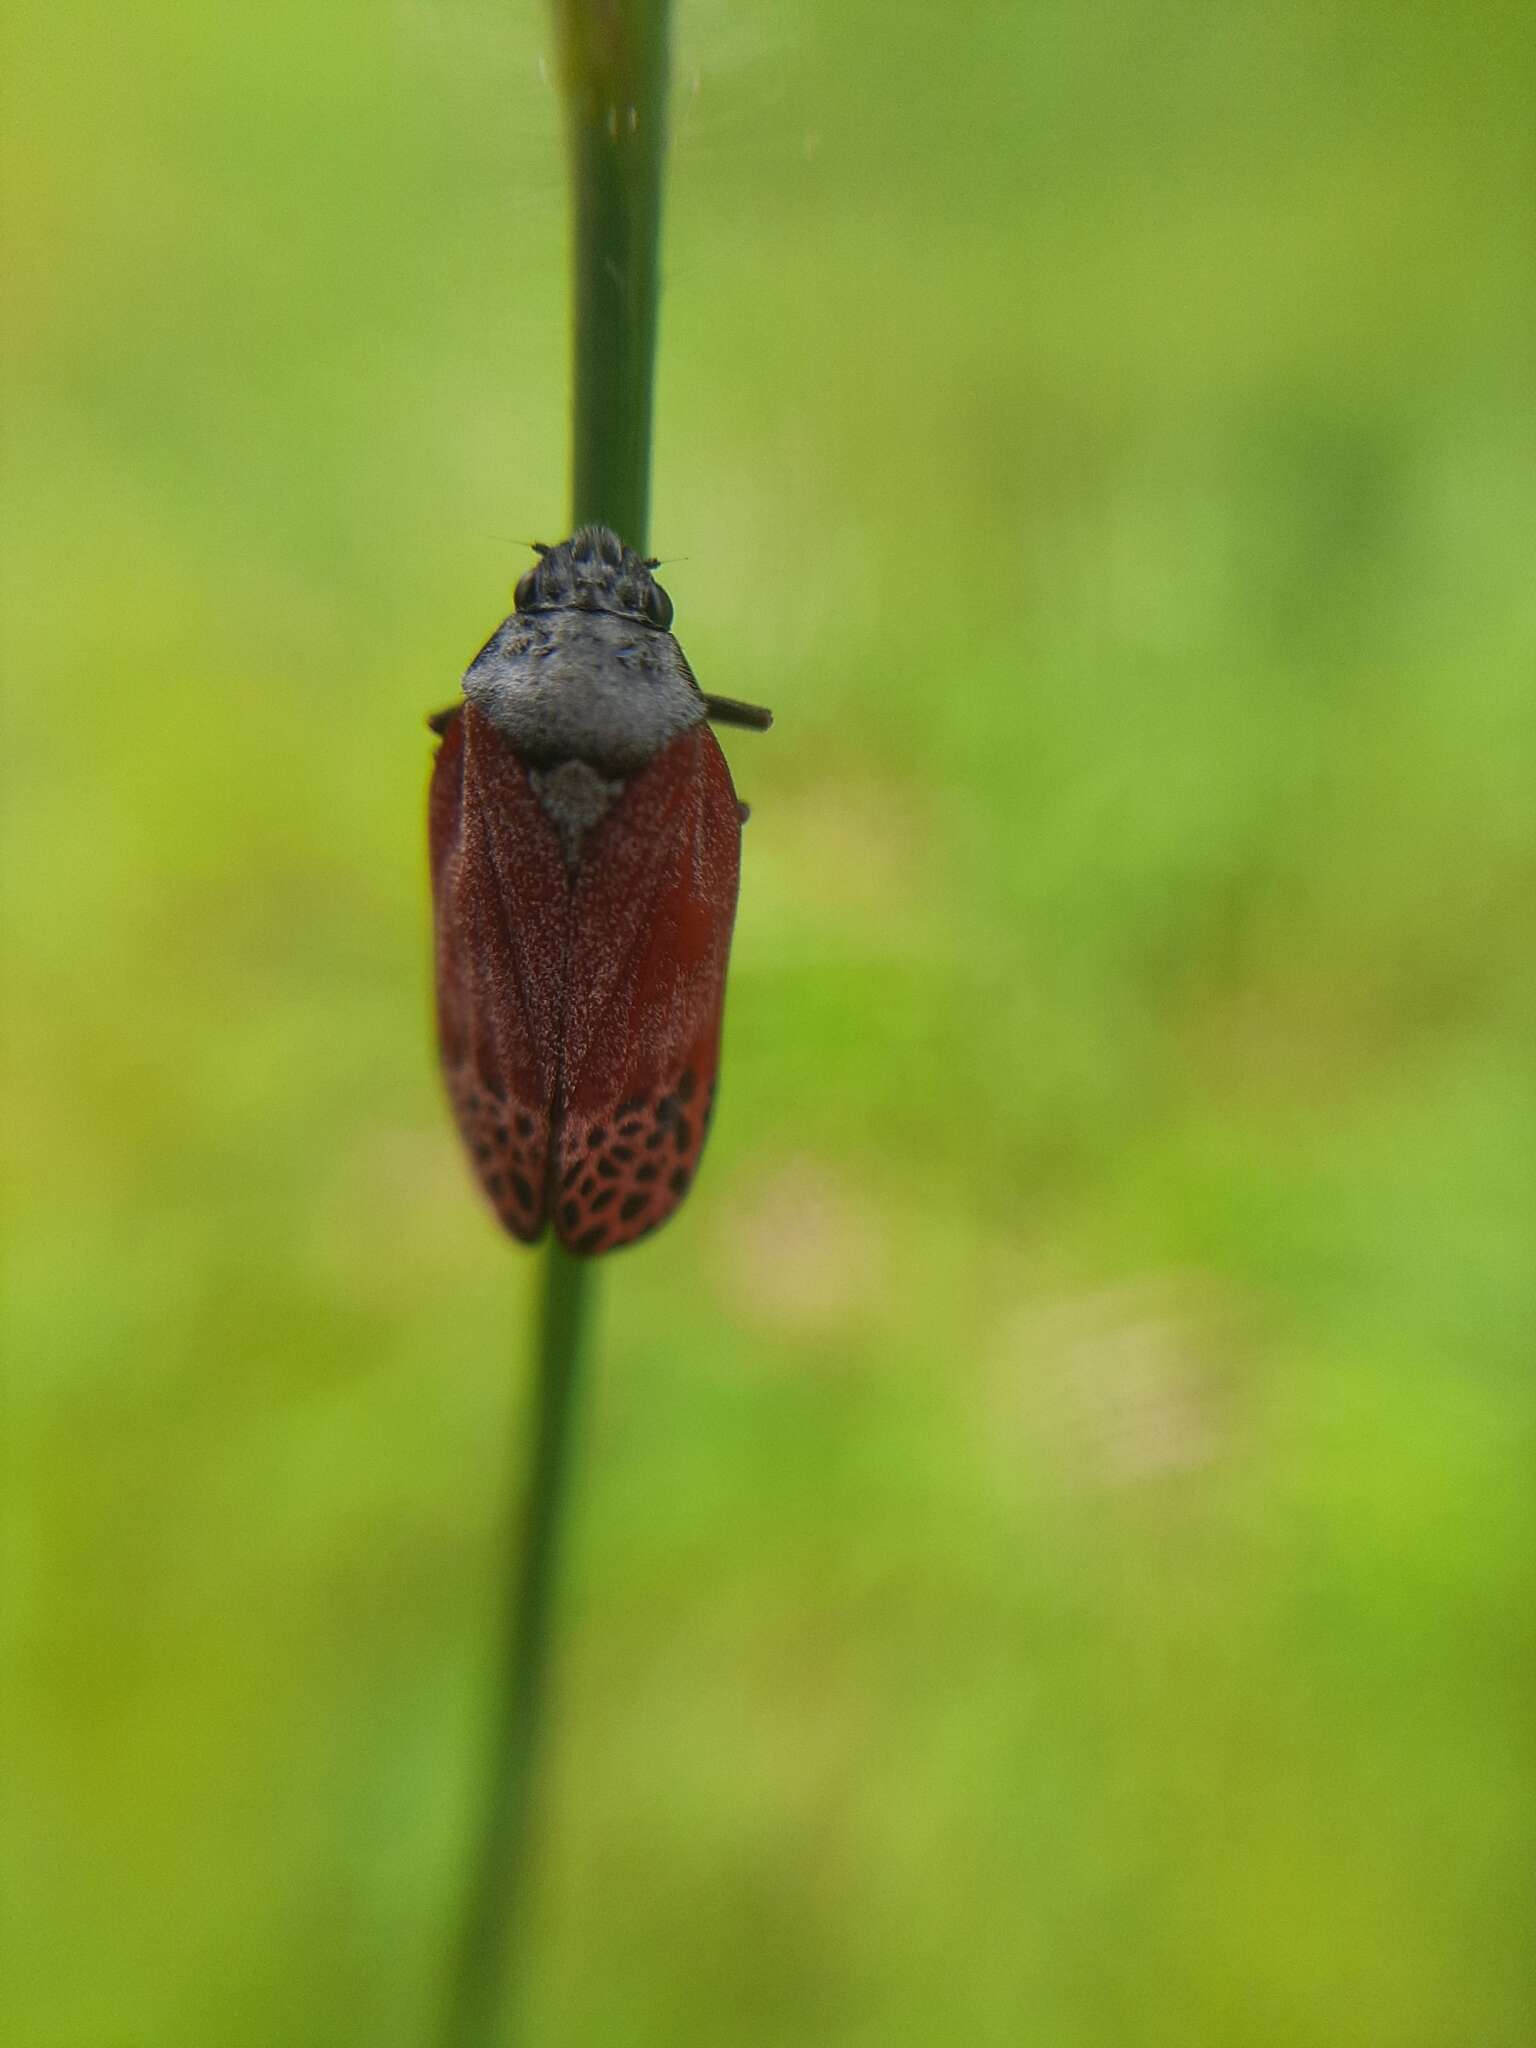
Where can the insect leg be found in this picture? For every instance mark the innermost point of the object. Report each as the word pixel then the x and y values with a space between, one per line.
pixel 730 711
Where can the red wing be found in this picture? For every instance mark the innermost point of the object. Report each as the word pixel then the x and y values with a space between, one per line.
pixel 654 902
pixel 501 903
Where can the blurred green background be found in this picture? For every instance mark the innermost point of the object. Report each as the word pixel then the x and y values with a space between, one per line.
pixel 1054 1546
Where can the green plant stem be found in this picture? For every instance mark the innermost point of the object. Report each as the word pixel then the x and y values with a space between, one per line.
pixel 613 68
pixel 486 1981
pixel 613 71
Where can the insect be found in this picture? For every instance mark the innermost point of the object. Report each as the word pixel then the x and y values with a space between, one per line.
pixel 585 843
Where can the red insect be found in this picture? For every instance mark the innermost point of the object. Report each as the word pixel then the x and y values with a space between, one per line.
pixel 586 845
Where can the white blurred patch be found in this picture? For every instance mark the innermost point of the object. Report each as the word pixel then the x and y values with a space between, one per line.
pixel 1134 1382
pixel 804 1254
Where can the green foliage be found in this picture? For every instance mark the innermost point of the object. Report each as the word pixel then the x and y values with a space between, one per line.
pixel 1055 1549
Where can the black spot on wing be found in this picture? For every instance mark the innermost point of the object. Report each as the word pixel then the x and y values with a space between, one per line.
pixel 623 1174
pixel 510 1172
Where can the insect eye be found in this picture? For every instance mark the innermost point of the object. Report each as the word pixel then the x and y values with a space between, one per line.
pixel 527 588
pixel 658 606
